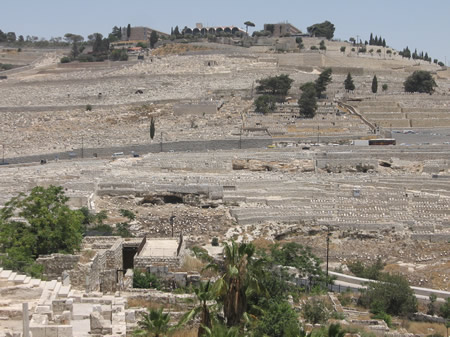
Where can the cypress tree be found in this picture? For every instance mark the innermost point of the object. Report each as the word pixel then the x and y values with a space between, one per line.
pixel 375 41
pixel 348 83
pixel 128 31
pixel 371 39
pixel 375 84
pixel 384 43
pixel 152 128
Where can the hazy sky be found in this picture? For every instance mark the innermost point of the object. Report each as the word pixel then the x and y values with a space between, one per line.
pixel 420 24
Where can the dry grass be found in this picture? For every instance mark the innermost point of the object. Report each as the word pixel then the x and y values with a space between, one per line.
pixel 87 255
pixel 191 263
pixel 262 243
pixel 424 328
pixel 185 333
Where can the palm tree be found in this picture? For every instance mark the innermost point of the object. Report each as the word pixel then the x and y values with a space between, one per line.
pixel 204 295
pixel 237 281
pixel 155 323
pixel 219 330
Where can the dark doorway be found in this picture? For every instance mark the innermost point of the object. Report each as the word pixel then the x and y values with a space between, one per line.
pixel 172 199
pixel 128 254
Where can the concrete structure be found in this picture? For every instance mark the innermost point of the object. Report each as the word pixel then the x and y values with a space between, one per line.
pixel 282 29
pixel 140 33
pixel 200 30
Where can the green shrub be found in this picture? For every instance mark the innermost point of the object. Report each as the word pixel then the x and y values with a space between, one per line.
pixel 127 214
pixel 385 317
pixel 392 295
pixel 313 48
pixel 65 59
pixel 315 311
pixel 88 107
pixel 145 280
pixel 85 58
pixel 123 230
pixel 215 242
pixel 119 55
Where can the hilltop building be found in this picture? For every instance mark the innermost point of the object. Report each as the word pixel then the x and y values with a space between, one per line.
pixel 200 30
pixel 282 29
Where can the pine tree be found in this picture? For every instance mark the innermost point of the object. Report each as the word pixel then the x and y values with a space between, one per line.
pixel 371 39
pixel 384 43
pixel 322 82
pixel 375 84
pixel 348 83
pixel 375 41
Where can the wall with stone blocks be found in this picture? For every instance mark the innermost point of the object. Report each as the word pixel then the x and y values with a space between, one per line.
pixel 55 264
pixel 88 276
pixel 114 259
pixel 52 331
pixel 194 146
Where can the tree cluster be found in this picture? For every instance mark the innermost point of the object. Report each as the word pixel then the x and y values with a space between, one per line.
pixel 272 90
pixel 420 81
pixel 325 29
pixel 38 224
pixel 377 41
pixel 392 295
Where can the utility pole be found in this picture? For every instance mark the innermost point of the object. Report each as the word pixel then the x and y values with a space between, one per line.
pixel 82 147
pixel 240 139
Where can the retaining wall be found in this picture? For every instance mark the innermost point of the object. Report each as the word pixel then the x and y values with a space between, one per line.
pixel 55 264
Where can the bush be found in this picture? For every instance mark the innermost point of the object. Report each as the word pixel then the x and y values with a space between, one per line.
pixel 391 295
pixel 372 271
pixel 385 317
pixel 119 55
pixel 145 280
pixel 88 107
pixel 384 87
pixel 362 50
pixel 313 48
pixel 215 242
pixel 123 230
pixel 85 58
pixel 127 214
pixel 6 66
pixel 315 311
pixel 279 319
pixel 343 49
pixel 65 59
pixel 440 63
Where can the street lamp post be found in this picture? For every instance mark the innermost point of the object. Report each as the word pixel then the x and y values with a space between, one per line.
pixel 171 222
pixel 328 249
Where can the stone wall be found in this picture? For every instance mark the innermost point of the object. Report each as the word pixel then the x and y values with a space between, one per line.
pixel 114 258
pixel 88 276
pixel 55 264
pixel 181 146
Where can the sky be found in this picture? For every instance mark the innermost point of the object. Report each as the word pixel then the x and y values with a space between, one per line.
pixel 424 25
